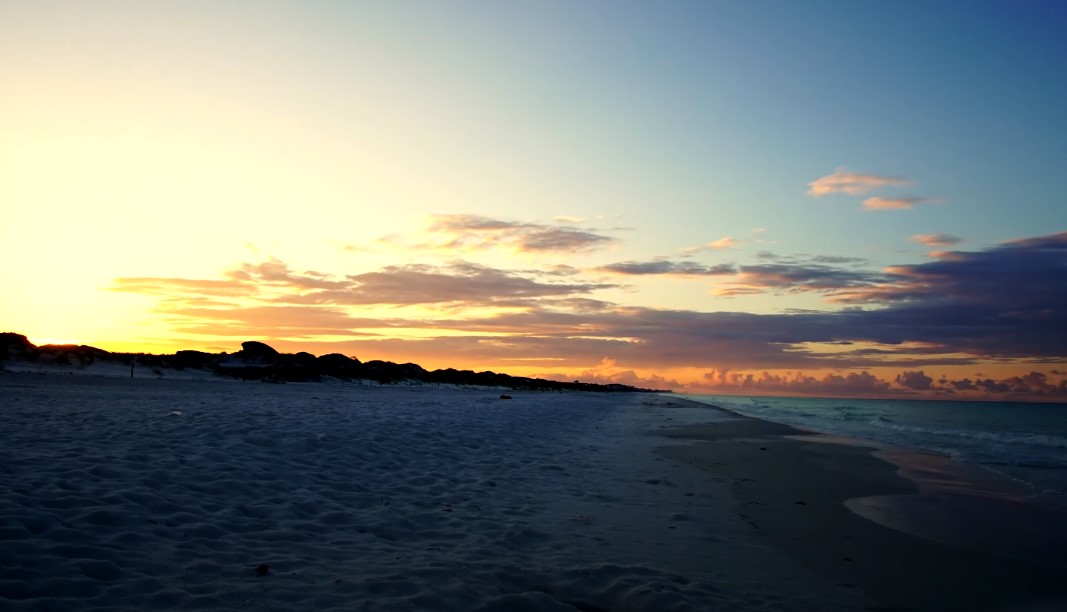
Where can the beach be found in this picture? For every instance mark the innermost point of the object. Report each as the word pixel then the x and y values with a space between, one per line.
pixel 120 494
pixel 912 531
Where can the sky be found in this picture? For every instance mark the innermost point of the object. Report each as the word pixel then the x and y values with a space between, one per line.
pixel 796 198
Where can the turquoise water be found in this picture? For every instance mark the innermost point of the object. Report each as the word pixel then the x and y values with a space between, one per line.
pixel 1026 442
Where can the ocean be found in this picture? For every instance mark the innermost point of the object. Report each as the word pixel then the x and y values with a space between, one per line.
pixel 1023 441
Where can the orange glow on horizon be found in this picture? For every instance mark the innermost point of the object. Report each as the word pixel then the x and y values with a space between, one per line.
pixel 54 341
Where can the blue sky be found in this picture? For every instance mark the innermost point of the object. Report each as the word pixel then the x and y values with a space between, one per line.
pixel 197 141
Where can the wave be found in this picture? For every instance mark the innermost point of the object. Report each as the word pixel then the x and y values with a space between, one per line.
pixel 1000 437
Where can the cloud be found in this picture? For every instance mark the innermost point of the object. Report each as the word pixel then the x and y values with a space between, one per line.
pixel 270 321
pixel 653 338
pixel 457 283
pixel 802 259
pixel 1009 300
pixel 666 268
pixel 914 380
pixel 1004 304
pixel 1029 270
pixel 799 278
pixel 278 273
pixel 965 384
pixel 1029 386
pixel 183 286
pixel 460 282
pixel 608 372
pixel 853 383
pixel 475 232
pixel 981 275
pixel 878 203
pixel 935 240
pixel 852 183
pixel 726 242
pixel 557 270
pixel 837 259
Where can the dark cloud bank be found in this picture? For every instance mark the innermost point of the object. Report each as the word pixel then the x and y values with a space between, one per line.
pixel 1002 305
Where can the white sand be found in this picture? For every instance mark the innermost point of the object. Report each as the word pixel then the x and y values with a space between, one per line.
pixel 119 494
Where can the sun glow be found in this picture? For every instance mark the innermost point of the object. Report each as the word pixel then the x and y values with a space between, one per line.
pixel 54 341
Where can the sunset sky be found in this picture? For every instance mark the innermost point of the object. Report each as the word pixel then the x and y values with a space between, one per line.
pixel 827 198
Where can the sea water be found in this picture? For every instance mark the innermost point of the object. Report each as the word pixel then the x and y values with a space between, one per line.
pixel 1023 441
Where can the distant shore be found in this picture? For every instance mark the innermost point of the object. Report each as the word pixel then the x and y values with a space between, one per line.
pixel 257 361
pixel 887 522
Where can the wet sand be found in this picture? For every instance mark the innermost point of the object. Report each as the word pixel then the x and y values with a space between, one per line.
pixel 911 531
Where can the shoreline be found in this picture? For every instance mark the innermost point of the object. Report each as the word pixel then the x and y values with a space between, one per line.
pixel 912 531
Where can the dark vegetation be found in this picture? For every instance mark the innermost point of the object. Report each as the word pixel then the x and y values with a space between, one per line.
pixel 259 362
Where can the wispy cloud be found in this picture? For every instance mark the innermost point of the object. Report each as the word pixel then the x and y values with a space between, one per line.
pixel 475 232
pixel 935 240
pixel 276 272
pixel 459 283
pixel 183 286
pixel 726 242
pixel 805 259
pixel 269 321
pixel 667 268
pixel 879 203
pixel 852 183
pixel 798 278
